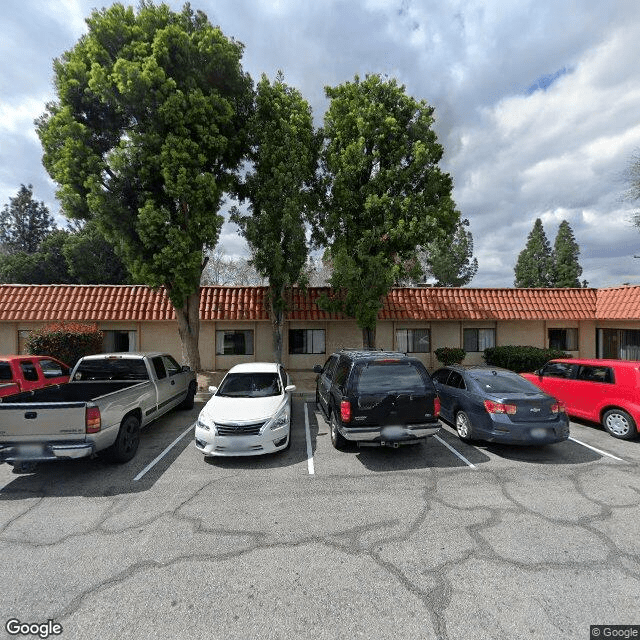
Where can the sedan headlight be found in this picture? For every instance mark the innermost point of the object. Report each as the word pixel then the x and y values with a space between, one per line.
pixel 207 426
pixel 280 420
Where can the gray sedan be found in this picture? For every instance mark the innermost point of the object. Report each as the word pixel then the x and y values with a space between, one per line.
pixel 497 405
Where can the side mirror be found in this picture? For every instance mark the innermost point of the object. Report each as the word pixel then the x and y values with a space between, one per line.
pixel 185 368
pixel 290 388
pixel 212 389
pixel 317 368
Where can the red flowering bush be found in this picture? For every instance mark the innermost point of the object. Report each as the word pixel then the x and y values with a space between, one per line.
pixel 66 341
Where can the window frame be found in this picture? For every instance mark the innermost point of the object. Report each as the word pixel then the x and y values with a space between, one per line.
pixel 245 332
pixel 410 339
pixel 564 341
pixel 476 344
pixel 310 333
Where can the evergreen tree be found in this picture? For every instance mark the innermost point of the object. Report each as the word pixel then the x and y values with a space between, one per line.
pixel 24 223
pixel 566 268
pixel 535 264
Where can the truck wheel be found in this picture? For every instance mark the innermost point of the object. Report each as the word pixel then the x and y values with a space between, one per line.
pixel 337 440
pixel 126 444
pixel 187 403
pixel 619 424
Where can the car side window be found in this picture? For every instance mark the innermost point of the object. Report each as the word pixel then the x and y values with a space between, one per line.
pixel 456 381
pixel 5 371
pixel 558 370
pixel 29 371
pixel 441 375
pixel 53 369
pixel 284 377
pixel 158 366
pixel 330 367
pixel 595 374
pixel 342 372
pixel 171 365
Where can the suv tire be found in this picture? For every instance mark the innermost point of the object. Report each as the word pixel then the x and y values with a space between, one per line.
pixel 337 439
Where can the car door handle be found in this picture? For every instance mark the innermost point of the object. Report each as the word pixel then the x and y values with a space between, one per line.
pixel 30 415
pixel 173 382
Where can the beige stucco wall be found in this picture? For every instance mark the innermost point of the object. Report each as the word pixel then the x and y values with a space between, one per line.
pixel 8 338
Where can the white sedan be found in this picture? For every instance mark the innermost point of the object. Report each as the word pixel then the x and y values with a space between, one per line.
pixel 249 414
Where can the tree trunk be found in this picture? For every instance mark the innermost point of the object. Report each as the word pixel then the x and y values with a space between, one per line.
pixel 276 328
pixel 189 329
pixel 369 338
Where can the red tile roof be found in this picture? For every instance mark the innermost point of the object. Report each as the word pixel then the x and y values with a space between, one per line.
pixel 618 303
pixel 132 303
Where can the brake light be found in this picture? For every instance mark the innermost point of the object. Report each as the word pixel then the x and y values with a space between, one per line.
pixel 436 407
pixel 499 407
pixel 345 411
pixel 558 407
pixel 93 423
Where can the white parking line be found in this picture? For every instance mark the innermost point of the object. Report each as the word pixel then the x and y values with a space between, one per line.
pixel 308 435
pixel 164 453
pixel 604 453
pixel 439 439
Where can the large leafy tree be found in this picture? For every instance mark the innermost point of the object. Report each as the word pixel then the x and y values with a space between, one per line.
pixel 566 268
pixel 278 189
pixel 384 193
pixel 145 137
pixel 24 223
pixel 449 260
pixel 534 267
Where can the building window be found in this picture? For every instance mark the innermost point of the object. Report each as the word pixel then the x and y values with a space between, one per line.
pixel 479 339
pixel 22 340
pixel 234 343
pixel 306 341
pixel 619 344
pixel 563 339
pixel 119 340
pixel 413 340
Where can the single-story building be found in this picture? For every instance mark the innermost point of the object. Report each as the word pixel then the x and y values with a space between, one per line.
pixel 235 327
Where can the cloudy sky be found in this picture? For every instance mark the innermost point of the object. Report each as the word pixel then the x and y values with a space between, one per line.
pixel 537 102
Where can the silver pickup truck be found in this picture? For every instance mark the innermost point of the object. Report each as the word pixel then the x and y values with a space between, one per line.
pixel 108 399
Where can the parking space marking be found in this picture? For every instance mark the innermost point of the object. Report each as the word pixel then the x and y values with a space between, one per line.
pixel 164 453
pixel 604 453
pixel 310 464
pixel 456 453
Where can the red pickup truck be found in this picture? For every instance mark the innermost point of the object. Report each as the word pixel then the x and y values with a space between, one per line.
pixel 23 373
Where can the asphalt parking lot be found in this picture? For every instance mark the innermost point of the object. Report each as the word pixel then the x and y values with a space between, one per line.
pixel 441 540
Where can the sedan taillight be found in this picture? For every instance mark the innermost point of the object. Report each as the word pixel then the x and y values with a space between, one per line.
pixel 345 411
pixel 499 407
pixel 558 407
pixel 436 407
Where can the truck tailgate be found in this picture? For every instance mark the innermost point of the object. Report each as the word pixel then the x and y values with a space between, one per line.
pixel 30 422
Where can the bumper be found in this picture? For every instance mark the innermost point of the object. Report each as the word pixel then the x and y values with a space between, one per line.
pixel 389 434
pixel 270 441
pixel 526 433
pixel 43 452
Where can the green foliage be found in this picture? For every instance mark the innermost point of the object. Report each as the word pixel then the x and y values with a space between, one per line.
pixel 24 223
pixel 145 137
pixel 521 358
pixel 535 265
pixel 65 257
pixel 566 268
pixel 383 192
pixel 450 355
pixel 284 152
pixel 67 342
pixel 450 260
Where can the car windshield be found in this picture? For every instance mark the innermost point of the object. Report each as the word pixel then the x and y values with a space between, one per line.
pixel 502 382
pixel 378 378
pixel 250 385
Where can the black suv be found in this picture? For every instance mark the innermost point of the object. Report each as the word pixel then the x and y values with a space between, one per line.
pixel 376 398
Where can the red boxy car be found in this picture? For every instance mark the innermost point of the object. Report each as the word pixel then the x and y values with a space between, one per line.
pixel 23 373
pixel 605 391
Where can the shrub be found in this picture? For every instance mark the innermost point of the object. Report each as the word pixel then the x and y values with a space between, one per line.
pixel 65 341
pixel 521 358
pixel 450 355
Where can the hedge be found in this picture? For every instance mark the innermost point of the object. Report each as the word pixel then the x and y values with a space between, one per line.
pixel 450 355
pixel 66 341
pixel 521 358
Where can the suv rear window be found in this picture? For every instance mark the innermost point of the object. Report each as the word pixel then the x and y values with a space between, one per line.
pixel 382 377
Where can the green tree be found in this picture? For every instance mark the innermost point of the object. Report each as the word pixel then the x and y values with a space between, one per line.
pixel 145 137
pixel 566 268
pixel 91 259
pixel 534 267
pixel 24 223
pixel 384 194
pixel 450 260
pixel 278 189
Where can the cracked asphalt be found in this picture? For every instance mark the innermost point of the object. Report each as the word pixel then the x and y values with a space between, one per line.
pixel 378 543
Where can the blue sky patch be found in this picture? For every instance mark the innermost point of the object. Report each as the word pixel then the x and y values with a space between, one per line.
pixel 544 82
